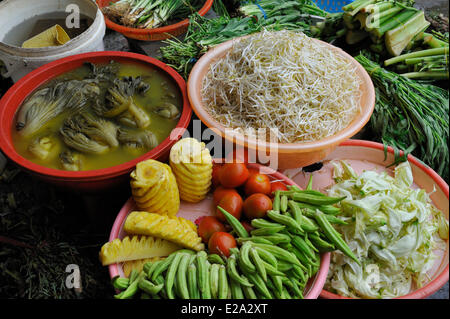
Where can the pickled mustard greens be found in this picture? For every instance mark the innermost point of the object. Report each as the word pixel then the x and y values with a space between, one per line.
pixel 393 228
pixel 47 103
pixel 119 98
pixel 97 116
pixel 283 80
pixel 95 128
pixel 137 139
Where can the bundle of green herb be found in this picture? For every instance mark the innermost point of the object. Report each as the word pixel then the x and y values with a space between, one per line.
pixel 149 14
pixel 410 116
pixel 205 33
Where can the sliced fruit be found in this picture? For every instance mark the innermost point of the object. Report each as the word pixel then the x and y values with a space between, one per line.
pixel 137 265
pixel 194 179
pixel 136 247
pixel 171 228
pixel 192 166
pixel 150 193
pixel 154 188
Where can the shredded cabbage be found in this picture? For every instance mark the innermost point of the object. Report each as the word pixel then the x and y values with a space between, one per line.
pixel 393 228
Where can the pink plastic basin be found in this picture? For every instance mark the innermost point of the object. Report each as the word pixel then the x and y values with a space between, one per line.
pixel 193 211
pixel 366 155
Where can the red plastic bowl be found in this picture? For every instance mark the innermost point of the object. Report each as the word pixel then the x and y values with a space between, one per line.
pixel 93 180
pixel 425 178
pixel 156 34
pixel 194 211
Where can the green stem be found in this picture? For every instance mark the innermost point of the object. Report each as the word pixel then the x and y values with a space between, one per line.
pixel 431 58
pixel 353 5
pixel 434 42
pixel 427 75
pixel 394 22
pixel 378 19
pixel 377 7
pixel 360 7
pixel 417 54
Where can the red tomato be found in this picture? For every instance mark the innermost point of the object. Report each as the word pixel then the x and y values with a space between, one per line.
pixel 277 186
pixel 248 227
pixel 232 203
pixel 252 171
pixel 233 175
pixel 257 183
pixel 257 205
pixel 239 155
pixel 209 225
pixel 215 175
pixel 220 192
pixel 220 243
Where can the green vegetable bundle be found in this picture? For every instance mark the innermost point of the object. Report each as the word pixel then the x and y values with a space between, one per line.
pixel 410 116
pixel 394 28
pixel 390 22
pixel 149 14
pixel 204 34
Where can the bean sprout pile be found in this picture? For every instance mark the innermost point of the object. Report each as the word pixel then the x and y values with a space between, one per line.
pixel 286 81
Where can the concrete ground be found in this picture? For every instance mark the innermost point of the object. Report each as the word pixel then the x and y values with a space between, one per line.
pixel 440 6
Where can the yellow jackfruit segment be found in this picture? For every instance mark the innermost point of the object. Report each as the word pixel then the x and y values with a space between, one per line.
pixel 136 247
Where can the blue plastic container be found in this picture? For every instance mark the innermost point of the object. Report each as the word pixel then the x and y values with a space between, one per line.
pixel 332 5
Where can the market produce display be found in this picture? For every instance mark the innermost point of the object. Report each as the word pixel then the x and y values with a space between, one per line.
pixel 204 34
pixel 396 31
pixel 401 118
pixel 150 14
pixel 200 228
pixel 257 248
pixel 391 225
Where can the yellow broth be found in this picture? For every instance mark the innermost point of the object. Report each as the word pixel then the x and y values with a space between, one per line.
pixel 162 89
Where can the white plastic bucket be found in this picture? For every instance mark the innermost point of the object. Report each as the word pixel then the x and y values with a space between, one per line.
pixel 19 61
